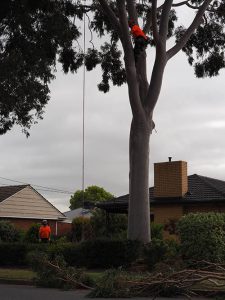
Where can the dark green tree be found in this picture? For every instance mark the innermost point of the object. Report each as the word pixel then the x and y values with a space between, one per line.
pixel 92 194
pixel 34 34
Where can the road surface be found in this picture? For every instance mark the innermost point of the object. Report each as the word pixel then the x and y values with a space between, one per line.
pixel 23 292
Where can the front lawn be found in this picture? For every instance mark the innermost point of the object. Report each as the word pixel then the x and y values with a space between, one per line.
pixel 16 274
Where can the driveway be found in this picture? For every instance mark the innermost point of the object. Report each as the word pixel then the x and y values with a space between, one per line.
pixel 23 292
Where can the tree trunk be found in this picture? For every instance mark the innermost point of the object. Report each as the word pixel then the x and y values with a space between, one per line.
pixel 139 208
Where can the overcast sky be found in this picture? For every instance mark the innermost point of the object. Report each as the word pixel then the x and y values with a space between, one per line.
pixel 190 124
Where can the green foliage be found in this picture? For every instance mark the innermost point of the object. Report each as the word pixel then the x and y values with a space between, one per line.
pixel 111 225
pixel 81 229
pixel 56 273
pixel 202 236
pixel 205 48
pixel 100 253
pixel 155 252
pixel 8 232
pixel 31 235
pixel 91 194
pixel 109 286
pixel 13 254
pixel 33 34
pixel 156 231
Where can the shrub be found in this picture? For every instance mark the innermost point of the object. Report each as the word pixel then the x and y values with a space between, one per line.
pixel 109 253
pixel 8 232
pixel 157 231
pixel 112 226
pixel 81 229
pixel 155 252
pixel 202 236
pixel 13 254
pixel 31 236
pixel 98 253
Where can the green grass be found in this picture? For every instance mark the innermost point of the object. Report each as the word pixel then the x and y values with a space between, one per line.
pixel 28 275
pixel 95 275
pixel 16 274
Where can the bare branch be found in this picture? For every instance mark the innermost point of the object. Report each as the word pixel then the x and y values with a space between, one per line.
pixel 180 3
pixel 132 11
pixel 163 30
pixel 154 21
pixel 131 73
pixel 196 22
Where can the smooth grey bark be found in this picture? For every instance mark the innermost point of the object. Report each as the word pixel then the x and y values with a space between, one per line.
pixel 143 98
pixel 139 208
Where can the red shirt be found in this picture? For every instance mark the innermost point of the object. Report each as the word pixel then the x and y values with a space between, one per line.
pixel 136 32
pixel 44 232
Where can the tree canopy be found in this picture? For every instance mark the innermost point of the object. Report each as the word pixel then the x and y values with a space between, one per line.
pixel 91 194
pixel 34 35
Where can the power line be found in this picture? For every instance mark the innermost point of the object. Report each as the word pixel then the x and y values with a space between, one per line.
pixel 44 188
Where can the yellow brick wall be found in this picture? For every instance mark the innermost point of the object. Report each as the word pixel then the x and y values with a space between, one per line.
pixel 170 179
pixel 163 213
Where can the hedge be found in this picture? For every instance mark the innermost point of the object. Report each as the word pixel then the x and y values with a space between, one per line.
pixel 15 254
pixel 90 254
pixel 202 236
pixel 100 253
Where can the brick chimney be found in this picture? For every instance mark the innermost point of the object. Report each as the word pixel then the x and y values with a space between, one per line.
pixel 170 179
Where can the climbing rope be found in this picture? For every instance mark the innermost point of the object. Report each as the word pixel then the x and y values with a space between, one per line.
pixel 83 112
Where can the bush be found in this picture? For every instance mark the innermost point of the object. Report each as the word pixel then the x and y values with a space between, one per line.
pixel 13 254
pixel 112 226
pixel 202 236
pixel 156 231
pixel 32 234
pixel 155 252
pixel 81 229
pixel 98 253
pixel 109 253
pixel 8 232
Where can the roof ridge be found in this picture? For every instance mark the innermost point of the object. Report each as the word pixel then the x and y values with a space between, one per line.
pixel 205 180
pixel 17 185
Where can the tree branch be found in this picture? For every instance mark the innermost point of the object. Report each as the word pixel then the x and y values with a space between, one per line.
pixel 154 22
pixel 132 11
pixel 196 22
pixel 163 29
pixel 180 3
pixel 132 80
pixel 111 15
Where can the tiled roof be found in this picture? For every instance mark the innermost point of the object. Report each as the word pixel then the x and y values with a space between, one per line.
pixel 201 189
pixel 7 191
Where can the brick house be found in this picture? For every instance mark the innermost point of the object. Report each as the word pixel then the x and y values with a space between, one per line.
pixel 23 206
pixel 175 194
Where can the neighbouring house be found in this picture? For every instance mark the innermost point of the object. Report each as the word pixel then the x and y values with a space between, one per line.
pixel 175 194
pixel 77 213
pixel 23 206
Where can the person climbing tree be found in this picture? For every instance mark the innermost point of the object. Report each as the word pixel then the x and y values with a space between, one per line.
pixel 141 40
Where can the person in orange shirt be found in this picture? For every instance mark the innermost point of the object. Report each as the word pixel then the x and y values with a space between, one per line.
pixel 141 40
pixel 44 232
